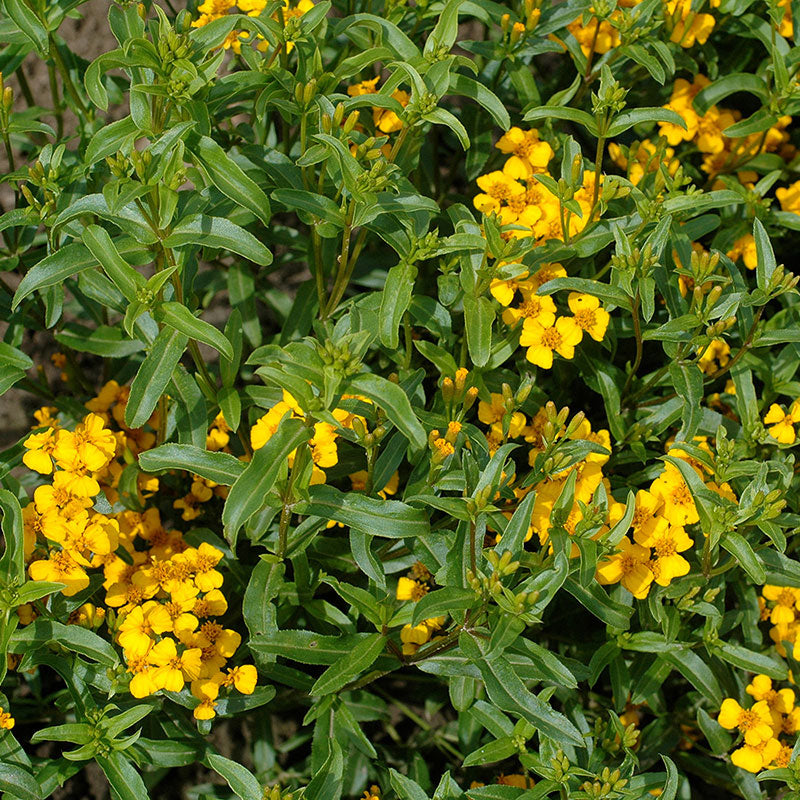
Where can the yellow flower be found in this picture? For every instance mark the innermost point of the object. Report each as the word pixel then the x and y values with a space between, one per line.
pixel 529 154
pixel 786 599
pixel 90 444
pixel 542 342
pixel 782 424
pixel 213 604
pixel 780 701
pixel 135 630
pixel 365 87
pixel 589 315
pixel 667 543
pixel 754 758
pixel 386 120
pixel 755 723
pixel 497 187
pixel 539 308
pixel 789 197
pixel 670 487
pixel 39 451
pixel 60 567
pixel 206 691
pixel 243 678
pixel 6 720
pixel 173 670
pixel 628 566
pixel 409 589
pixel 687 26
pixel 46 417
pixel 745 248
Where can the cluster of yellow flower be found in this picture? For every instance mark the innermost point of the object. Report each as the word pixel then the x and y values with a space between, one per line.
pixel 518 199
pixel 203 489
pixel 789 197
pixel 781 423
pixel 214 9
pixel 686 26
pixel 324 452
pixel 413 587
pixel 642 158
pixel 543 333
pixel 385 120
pixel 659 529
pixel 772 714
pixel 780 605
pixel 721 154
pixel 6 720
pixel 589 471
pixel 159 589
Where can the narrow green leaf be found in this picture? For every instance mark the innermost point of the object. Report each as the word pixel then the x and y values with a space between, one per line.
pixel 217 233
pixel 230 178
pixel 390 519
pixel 358 660
pixel 243 783
pixel 153 376
pixel 248 493
pixel 394 401
pixel 221 468
pixel 179 317
pixel 124 276
pixel 125 781
pixel 443 601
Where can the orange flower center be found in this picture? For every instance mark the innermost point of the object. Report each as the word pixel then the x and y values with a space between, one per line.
pixel 585 319
pixel 551 339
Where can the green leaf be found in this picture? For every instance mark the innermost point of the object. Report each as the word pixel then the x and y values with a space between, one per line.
pixel 11 357
pixel 179 317
pixel 316 204
pixel 105 341
pixel 672 783
pixel 389 519
pixel 732 83
pixel 109 139
pixel 25 19
pixel 221 468
pixel 485 98
pixel 441 116
pixel 124 276
pixel 69 260
pixel 406 788
pixel 153 376
pixel 627 119
pixel 18 783
pixel 248 493
pixel 507 691
pixel 604 292
pixel 266 581
pixel 741 550
pixel 216 233
pixel 478 320
pixel 394 401
pixel 229 177
pixel 564 113
pixel 126 783
pixel 395 300
pixel 306 647
pixel 12 562
pixel 688 382
pixel 766 264
pixel 35 590
pixel 359 659
pixel 243 783
pixel 749 660
pixel 443 601
pixel 498 750
pixel 696 671
pixel 73 637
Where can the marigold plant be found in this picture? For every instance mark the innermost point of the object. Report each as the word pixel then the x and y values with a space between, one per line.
pixel 412 400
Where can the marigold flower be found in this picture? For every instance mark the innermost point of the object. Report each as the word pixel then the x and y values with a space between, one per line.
pixel 755 723
pixel 781 425
pixel 542 342
pixel 628 566
pixel 590 316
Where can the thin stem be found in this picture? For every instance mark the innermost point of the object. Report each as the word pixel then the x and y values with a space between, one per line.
pixel 637 332
pixel 342 277
pixel 65 76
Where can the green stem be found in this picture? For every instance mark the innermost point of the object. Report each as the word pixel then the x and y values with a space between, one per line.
pixel 343 272
pixel 65 76
pixel 637 332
